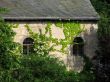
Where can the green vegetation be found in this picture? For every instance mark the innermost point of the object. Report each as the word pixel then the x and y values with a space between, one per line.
pixel 3 10
pixel 70 30
pixel 102 65
pixel 36 67
pixel 40 67
pixel 7 46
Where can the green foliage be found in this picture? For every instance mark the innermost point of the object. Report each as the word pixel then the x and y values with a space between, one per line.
pixel 43 68
pixel 70 30
pixel 3 10
pixel 87 70
pixel 58 71
pixel 41 42
pixel 38 66
pixel 102 59
pixel 7 46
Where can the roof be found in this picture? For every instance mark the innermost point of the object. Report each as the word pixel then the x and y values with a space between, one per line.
pixel 48 10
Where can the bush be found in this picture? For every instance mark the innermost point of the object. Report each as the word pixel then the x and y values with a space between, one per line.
pixel 43 67
pixel 36 68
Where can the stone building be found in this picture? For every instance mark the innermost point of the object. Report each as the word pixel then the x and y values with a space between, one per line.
pixel 36 13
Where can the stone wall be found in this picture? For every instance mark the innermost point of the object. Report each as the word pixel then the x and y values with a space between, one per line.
pixel 73 62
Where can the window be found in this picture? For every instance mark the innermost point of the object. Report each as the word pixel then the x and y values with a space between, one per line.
pixel 28 44
pixel 78 46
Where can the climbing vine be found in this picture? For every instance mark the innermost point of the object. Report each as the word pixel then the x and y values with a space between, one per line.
pixel 3 10
pixel 70 30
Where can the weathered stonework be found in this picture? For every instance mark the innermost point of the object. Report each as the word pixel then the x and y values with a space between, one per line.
pixel 73 62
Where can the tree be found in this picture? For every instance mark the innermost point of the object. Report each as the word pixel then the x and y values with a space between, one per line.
pixel 102 64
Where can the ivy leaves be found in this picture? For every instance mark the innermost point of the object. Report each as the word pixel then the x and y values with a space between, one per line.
pixel 70 30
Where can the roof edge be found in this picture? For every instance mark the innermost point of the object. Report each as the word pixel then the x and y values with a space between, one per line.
pixel 53 18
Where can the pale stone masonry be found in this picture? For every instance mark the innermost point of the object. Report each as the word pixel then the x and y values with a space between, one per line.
pixel 73 62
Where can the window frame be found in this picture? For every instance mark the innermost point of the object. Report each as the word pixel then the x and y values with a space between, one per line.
pixel 28 44
pixel 78 46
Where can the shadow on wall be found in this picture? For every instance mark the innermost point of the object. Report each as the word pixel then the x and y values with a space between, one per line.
pixel 86 46
pixel 90 37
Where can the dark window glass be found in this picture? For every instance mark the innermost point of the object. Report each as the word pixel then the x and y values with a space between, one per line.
pixel 28 44
pixel 78 46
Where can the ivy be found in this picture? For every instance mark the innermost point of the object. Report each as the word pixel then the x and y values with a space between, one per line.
pixel 3 10
pixel 38 66
pixel 70 30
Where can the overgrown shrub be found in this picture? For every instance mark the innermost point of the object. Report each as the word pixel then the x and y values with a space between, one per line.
pixel 35 68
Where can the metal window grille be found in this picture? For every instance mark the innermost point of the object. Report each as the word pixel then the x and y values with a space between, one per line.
pixel 28 44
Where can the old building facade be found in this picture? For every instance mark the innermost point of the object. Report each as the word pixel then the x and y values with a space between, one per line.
pixel 36 13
